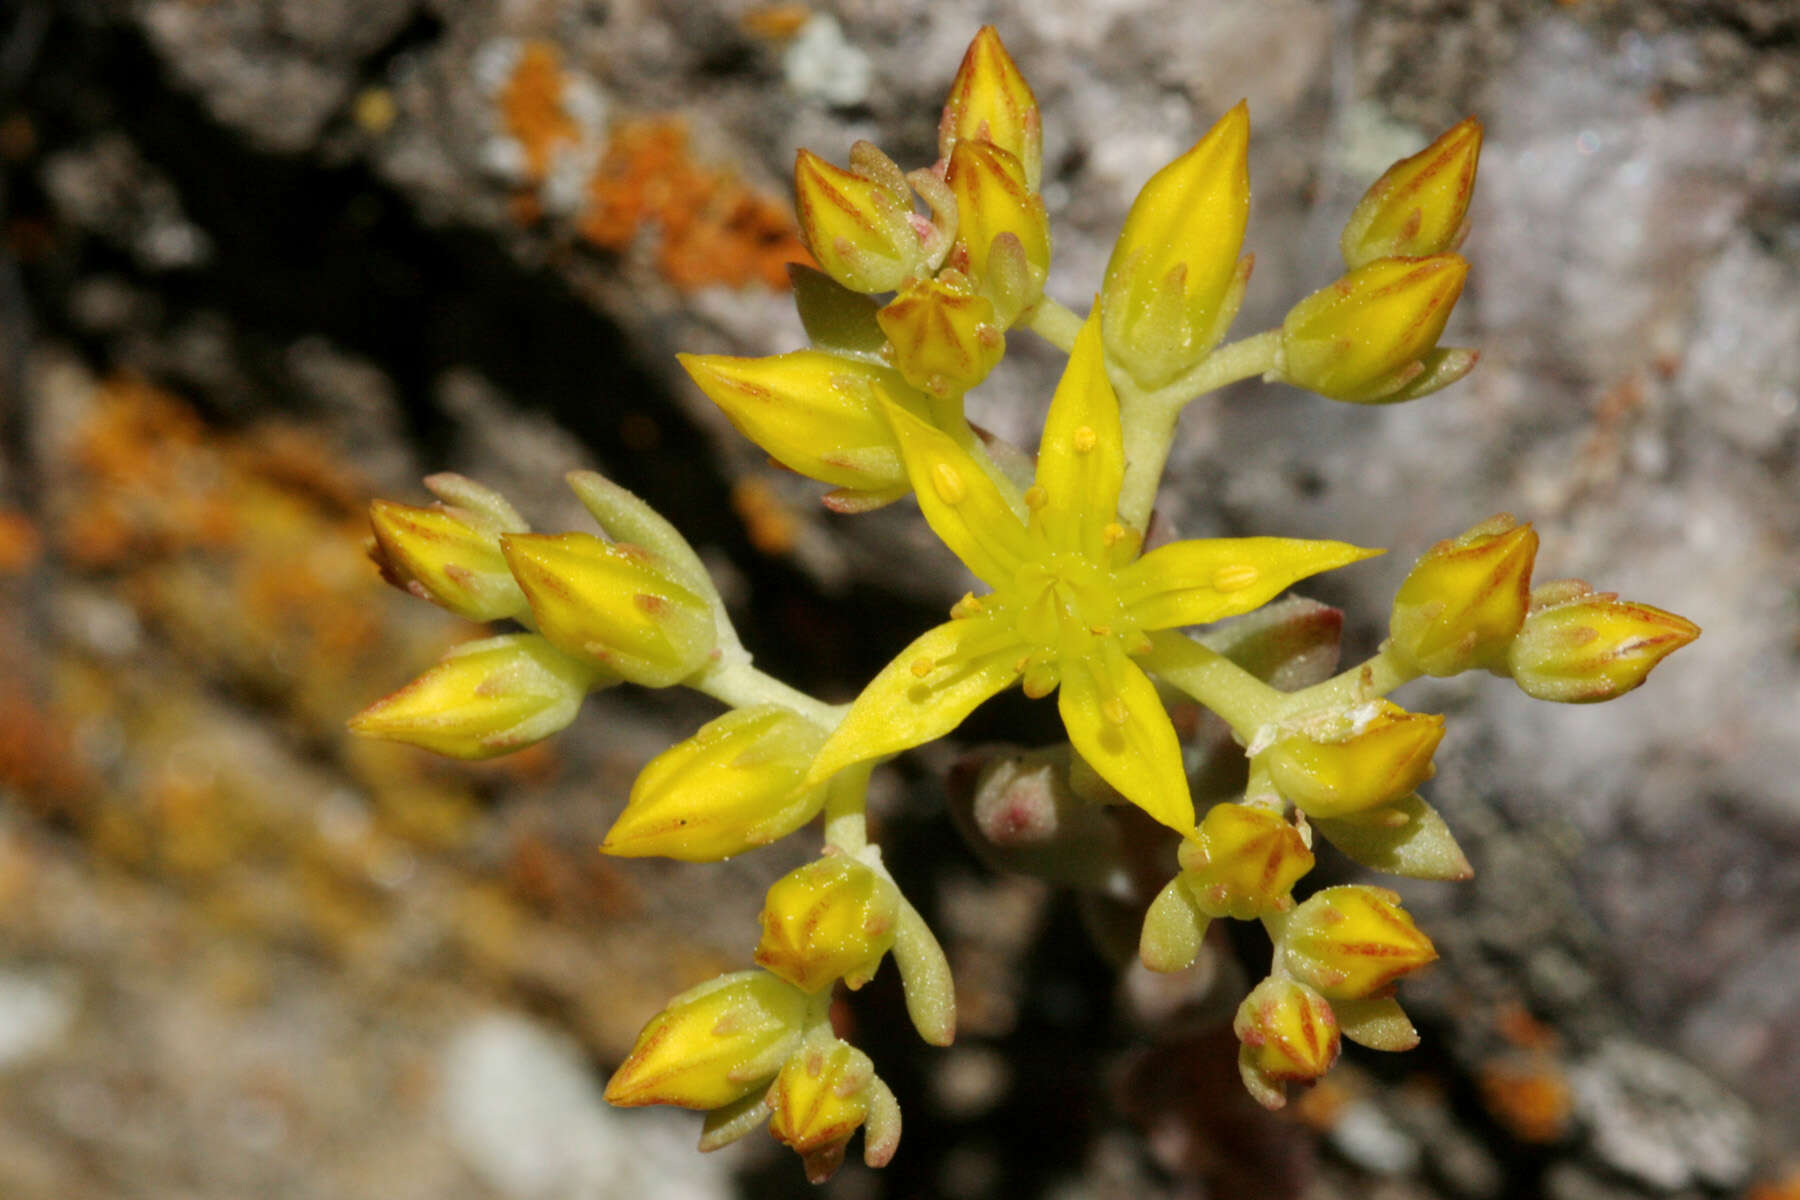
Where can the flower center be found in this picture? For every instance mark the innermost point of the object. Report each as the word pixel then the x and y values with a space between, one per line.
pixel 1063 607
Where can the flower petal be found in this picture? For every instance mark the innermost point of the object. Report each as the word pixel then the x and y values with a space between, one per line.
pixel 1117 722
pixel 1208 579
pixel 960 502
pixel 924 693
pixel 1081 460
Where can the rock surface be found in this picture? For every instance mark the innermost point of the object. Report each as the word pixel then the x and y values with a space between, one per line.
pixel 264 258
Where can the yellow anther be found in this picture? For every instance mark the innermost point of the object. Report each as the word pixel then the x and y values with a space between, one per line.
pixel 968 606
pixel 1036 497
pixel 1235 577
pixel 1085 439
pixel 948 483
pixel 922 666
pixel 1114 533
pixel 1100 630
pixel 1115 710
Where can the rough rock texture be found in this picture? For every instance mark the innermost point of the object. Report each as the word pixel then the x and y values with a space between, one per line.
pixel 264 258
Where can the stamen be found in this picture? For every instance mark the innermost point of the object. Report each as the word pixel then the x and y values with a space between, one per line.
pixel 1115 711
pixel 1036 497
pixel 1114 533
pixel 922 666
pixel 1100 630
pixel 948 483
pixel 1085 439
pixel 968 606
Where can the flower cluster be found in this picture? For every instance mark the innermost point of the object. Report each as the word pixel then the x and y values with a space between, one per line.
pixel 924 275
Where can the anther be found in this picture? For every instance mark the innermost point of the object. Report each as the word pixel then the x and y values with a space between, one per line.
pixel 922 666
pixel 1114 533
pixel 1115 710
pixel 1036 497
pixel 1085 439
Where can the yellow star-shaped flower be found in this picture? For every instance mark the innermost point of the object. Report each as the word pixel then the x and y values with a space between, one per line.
pixel 1073 602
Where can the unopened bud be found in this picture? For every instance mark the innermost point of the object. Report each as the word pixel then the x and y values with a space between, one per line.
pixel 1465 599
pixel 613 604
pixel 992 198
pixel 1420 205
pixel 1348 760
pixel 1244 862
pixel 1579 646
pixel 1174 282
pixel 450 553
pixel 946 336
pixel 485 698
pixel 859 229
pixel 1353 942
pixel 821 1097
pixel 1371 336
pixel 734 785
pixel 712 1044
pixel 830 919
pixel 990 101
pixel 1287 1033
pixel 814 412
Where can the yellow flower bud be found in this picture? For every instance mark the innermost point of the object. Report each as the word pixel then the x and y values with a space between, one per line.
pixel 1367 337
pixel 990 101
pixel 1173 282
pixel 945 335
pixel 1287 1033
pixel 992 198
pixel 1465 599
pixel 822 1096
pixel 1244 862
pixel 612 604
pixel 485 698
pixel 858 228
pixel 1352 942
pixel 1349 760
pixel 733 786
pixel 1579 646
pixel 448 555
pixel 815 413
pixel 830 919
pixel 712 1044
pixel 1420 205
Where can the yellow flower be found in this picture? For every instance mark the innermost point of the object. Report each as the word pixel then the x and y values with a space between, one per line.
pixel 1579 646
pixel 1420 205
pixel 713 1044
pixel 1346 761
pixel 1073 602
pixel 828 920
pixel 450 553
pixel 733 786
pixel 992 200
pixel 485 698
pixel 857 227
pixel 1371 337
pixel 1174 280
pixel 1353 942
pixel 1287 1033
pixel 991 102
pixel 946 336
pixel 821 1097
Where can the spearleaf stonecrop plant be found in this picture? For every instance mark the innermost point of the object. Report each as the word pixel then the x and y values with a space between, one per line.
pixel 923 277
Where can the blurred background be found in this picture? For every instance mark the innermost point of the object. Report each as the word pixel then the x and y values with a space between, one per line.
pixel 261 260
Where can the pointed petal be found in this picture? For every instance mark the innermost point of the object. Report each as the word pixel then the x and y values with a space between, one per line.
pixel 924 693
pixel 1118 724
pixel 1081 460
pixel 1194 582
pixel 961 504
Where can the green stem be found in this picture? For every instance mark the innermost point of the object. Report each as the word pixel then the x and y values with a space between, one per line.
pixel 1054 322
pixel 741 685
pixel 1148 415
pixel 1242 700
pixel 1366 681
pixel 846 808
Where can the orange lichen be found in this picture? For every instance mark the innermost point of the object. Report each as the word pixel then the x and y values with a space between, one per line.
pixel 1529 1095
pixel 1783 1187
pixel 775 22
pixel 19 543
pixel 770 524
pixel 713 227
pixel 38 759
pixel 531 107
